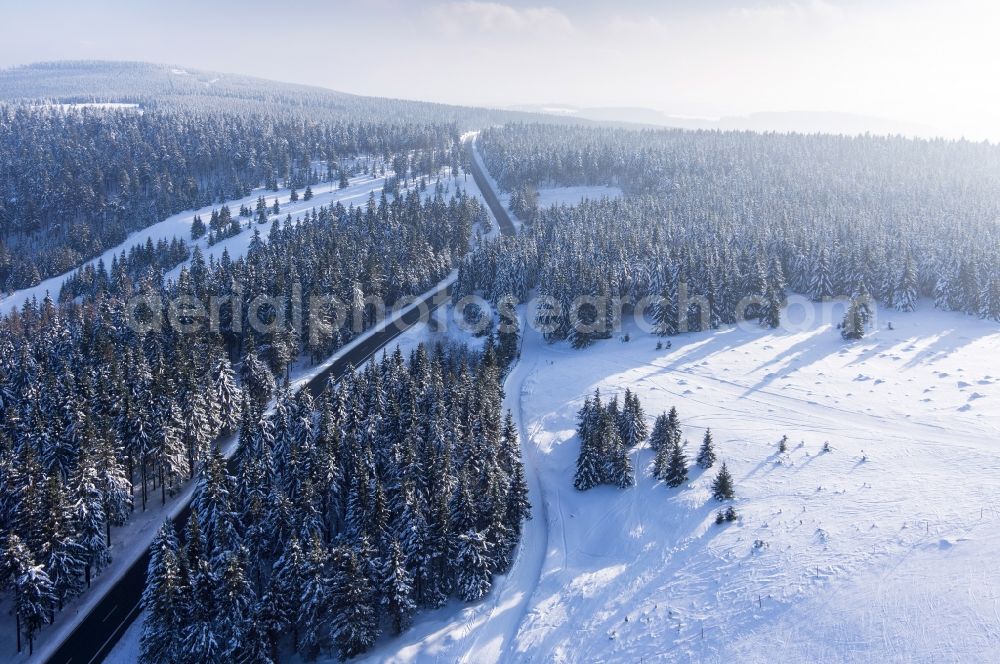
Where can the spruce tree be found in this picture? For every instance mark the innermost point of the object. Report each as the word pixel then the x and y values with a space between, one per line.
pixel 397 589
pixel 632 421
pixel 227 394
pixel 990 300
pixel 588 466
pixel 199 641
pixel 33 594
pixel 473 574
pixel 355 612
pixel 257 378
pixel 660 460
pixel 666 315
pixel 518 504
pixel 89 516
pixel 706 453
pixel 617 465
pixel 864 303
pixel 722 485
pixel 163 600
pixel 660 437
pixel 63 555
pixel 287 582
pixel 313 609
pixel 853 325
pixel 234 602
pixel 770 315
pixel 197 228
pixel 33 600
pixel 676 472
pixel 821 284
pixel 905 295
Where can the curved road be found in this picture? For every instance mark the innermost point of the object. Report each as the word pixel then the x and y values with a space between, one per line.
pixel 99 629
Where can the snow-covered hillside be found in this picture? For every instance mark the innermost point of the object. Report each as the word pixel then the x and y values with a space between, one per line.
pixel 875 551
pixel 878 550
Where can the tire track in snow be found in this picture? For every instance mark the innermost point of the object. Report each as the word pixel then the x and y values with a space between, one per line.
pixel 493 636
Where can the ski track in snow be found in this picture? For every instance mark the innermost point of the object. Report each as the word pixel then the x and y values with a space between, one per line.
pixel 179 226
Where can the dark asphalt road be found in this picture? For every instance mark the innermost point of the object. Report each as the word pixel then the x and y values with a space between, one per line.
pixel 499 212
pixel 98 631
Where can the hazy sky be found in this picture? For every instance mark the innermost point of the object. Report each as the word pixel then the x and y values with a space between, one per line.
pixel 931 62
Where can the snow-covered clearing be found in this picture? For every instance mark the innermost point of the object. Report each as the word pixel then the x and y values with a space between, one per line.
pixel 549 196
pixel 883 549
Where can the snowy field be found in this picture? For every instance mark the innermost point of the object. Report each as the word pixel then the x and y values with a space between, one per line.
pixel 882 549
pixel 549 196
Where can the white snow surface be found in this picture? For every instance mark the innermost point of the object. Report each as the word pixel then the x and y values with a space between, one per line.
pixel 879 550
pixel 549 196
pixel 883 549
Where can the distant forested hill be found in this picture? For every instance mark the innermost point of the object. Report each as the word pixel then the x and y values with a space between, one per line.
pixel 165 86
pixel 78 174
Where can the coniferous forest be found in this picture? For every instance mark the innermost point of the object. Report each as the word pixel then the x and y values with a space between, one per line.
pixel 685 346
pixel 75 182
pixel 78 175
pixel 396 489
pixel 101 418
pixel 717 227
